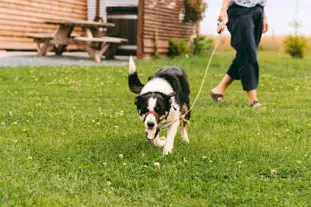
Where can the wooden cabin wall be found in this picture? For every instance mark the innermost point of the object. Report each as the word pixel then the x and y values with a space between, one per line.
pixel 19 17
pixel 165 19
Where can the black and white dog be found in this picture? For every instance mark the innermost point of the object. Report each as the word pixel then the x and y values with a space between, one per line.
pixel 163 97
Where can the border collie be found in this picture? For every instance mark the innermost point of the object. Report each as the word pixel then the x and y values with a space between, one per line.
pixel 164 97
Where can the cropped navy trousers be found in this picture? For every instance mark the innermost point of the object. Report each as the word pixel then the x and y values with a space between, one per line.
pixel 245 25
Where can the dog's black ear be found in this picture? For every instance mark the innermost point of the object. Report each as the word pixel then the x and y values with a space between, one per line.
pixel 137 100
pixel 170 99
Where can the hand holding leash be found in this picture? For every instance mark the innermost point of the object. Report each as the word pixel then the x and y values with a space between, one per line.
pixel 222 22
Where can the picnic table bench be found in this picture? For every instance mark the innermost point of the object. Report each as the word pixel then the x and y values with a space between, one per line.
pixel 43 42
pixel 97 50
pixel 44 45
pixel 94 44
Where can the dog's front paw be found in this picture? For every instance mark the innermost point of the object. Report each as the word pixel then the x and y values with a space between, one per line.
pixel 159 142
pixel 162 141
pixel 186 140
pixel 167 149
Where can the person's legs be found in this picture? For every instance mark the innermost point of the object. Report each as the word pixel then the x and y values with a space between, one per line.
pixel 258 22
pixel 232 74
pixel 250 33
pixel 252 96
pixel 223 85
pixel 233 71
pixel 247 50
pixel 245 36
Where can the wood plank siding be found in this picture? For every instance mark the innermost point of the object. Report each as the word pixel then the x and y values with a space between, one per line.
pixel 157 21
pixel 165 19
pixel 17 18
pixel 108 3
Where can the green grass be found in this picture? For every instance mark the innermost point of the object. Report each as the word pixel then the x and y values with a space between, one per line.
pixel 63 128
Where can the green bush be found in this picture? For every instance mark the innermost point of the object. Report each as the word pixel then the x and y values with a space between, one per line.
pixel 202 46
pixel 177 47
pixel 194 10
pixel 295 46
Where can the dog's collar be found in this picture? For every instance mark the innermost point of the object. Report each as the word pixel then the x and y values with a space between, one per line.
pixel 153 113
pixel 158 117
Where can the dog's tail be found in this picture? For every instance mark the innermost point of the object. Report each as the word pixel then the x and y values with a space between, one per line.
pixel 134 83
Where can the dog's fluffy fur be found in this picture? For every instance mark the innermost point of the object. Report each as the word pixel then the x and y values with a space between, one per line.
pixel 164 96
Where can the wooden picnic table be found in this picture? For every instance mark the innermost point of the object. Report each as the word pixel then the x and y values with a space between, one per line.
pixel 94 44
pixel 80 23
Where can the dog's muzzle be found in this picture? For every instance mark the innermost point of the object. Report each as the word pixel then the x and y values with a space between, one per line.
pixel 150 125
pixel 155 135
pixel 153 113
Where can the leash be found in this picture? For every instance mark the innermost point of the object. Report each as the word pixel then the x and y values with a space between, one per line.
pixel 182 117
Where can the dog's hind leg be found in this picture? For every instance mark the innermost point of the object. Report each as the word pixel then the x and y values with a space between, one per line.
pixel 184 133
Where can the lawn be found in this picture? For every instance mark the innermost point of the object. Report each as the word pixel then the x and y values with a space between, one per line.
pixel 63 129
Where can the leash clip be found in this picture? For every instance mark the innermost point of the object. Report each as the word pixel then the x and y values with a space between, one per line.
pixel 172 105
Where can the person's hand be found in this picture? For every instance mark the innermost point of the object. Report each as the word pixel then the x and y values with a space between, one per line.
pixel 223 21
pixel 265 27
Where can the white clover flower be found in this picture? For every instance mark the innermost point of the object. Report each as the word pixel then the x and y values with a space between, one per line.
pixel 157 164
pixel 204 157
pixel 273 172
pixel 121 156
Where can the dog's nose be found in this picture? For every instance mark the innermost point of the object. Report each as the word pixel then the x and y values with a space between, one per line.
pixel 150 125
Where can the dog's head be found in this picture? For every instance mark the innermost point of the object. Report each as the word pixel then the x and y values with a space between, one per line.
pixel 153 107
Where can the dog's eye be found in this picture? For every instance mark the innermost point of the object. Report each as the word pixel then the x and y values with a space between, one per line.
pixel 143 110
